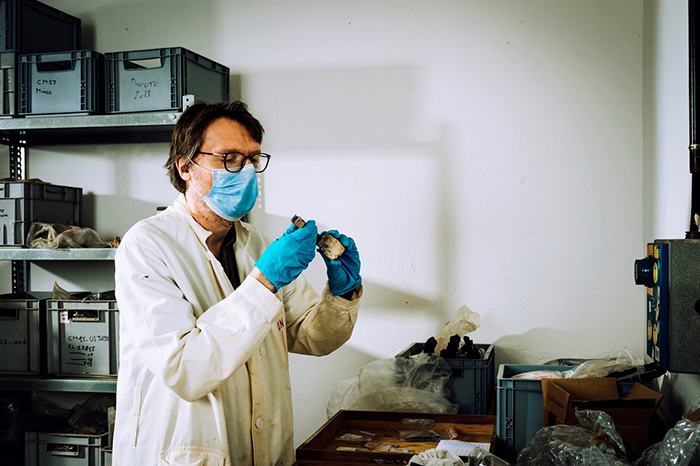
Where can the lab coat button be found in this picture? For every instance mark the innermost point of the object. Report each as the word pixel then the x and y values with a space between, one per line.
pixel 221 314
pixel 258 423
pixel 262 351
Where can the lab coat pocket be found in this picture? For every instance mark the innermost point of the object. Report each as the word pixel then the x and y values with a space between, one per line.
pixel 191 456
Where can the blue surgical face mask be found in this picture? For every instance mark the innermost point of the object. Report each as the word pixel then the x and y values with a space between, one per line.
pixel 232 195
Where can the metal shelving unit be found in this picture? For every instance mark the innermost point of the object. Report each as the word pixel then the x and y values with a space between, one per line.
pixel 57 384
pixel 21 133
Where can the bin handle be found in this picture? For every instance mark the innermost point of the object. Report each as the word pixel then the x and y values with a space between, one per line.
pixel 143 64
pixel 62 449
pixel 9 314
pixel 84 315
pixel 55 66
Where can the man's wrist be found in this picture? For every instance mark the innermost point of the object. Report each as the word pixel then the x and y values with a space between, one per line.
pixel 259 276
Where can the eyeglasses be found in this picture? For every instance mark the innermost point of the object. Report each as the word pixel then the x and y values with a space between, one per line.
pixel 234 161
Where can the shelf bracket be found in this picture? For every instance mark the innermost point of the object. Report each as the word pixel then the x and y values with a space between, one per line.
pixel 20 276
pixel 17 161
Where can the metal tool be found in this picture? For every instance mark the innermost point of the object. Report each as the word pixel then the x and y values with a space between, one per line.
pixel 328 245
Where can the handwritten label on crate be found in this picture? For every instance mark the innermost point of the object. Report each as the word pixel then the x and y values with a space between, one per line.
pixel 85 345
pixel 57 92
pixel 143 89
pixel 12 342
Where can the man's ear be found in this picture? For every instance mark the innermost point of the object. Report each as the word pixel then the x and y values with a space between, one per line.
pixel 183 168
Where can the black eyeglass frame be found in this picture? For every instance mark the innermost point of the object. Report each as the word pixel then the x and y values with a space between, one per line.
pixel 262 156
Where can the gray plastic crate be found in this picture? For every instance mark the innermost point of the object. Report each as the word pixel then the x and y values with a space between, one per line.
pixel 82 337
pixel 47 449
pixel 61 83
pixel 21 339
pixel 31 26
pixel 157 79
pixel 23 203
pixel 519 407
pixel 8 84
pixel 472 380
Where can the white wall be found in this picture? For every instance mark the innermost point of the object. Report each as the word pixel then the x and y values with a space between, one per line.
pixel 667 179
pixel 480 153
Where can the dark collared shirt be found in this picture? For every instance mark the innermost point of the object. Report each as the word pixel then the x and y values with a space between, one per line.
pixel 228 258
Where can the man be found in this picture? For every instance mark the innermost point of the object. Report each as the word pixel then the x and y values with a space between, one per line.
pixel 208 310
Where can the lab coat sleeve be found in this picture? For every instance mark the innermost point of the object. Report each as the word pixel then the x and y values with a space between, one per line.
pixel 191 356
pixel 318 326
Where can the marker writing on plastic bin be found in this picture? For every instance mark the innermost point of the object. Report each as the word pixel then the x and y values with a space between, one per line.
pixel 46 82
pixel 3 214
pixel 144 84
pixel 13 342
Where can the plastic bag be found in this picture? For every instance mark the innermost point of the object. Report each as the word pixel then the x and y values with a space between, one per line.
pixel 462 322
pixel 54 236
pixel 596 444
pixel 624 362
pixel 414 385
pixel 480 457
pixel 435 457
pixel 680 446
pixel 91 416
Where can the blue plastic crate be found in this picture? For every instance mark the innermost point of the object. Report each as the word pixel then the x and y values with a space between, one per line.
pixel 472 381
pixel 519 407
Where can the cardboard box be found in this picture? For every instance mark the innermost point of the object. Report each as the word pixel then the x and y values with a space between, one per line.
pixel 631 415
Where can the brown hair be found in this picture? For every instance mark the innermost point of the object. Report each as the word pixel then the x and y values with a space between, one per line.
pixel 190 127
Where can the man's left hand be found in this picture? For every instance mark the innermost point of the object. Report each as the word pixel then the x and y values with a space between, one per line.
pixel 344 272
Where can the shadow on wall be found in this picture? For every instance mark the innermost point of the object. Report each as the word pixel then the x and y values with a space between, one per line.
pixel 348 122
pixel 539 344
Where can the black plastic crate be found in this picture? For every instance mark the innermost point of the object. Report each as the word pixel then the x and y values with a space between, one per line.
pixel 31 26
pixel 61 83
pixel 157 79
pixel 472 381
pixel 23 203
pixel 8 84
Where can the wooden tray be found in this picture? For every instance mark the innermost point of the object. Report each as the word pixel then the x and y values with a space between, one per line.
pixel 322 445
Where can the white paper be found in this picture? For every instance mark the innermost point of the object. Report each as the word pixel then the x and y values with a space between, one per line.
pixel 460 447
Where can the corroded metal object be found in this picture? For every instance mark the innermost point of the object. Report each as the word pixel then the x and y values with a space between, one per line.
pixel 327 244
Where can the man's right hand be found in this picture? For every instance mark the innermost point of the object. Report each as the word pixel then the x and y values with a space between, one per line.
pixel 289 255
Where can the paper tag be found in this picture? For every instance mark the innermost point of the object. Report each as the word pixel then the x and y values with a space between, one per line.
pixel 63 317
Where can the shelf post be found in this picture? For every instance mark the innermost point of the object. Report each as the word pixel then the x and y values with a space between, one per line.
pixel 20 269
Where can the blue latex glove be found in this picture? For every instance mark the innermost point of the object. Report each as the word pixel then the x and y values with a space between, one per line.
pixel 289 255
pixel 344 272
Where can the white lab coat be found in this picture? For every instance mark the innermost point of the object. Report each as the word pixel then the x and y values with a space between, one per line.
pixel 203 376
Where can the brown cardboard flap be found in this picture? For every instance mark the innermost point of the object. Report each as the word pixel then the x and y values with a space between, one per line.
pixel 589 389
pixel 640 391
pixel 556 401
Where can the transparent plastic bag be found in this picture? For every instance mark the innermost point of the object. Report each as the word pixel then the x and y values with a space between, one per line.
pixel 595 444
pixel 462 322
pixel 414 385
pixel 626 361
pixel 679 447
pixel 55 236
pixel 480 457
pixel 91 417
